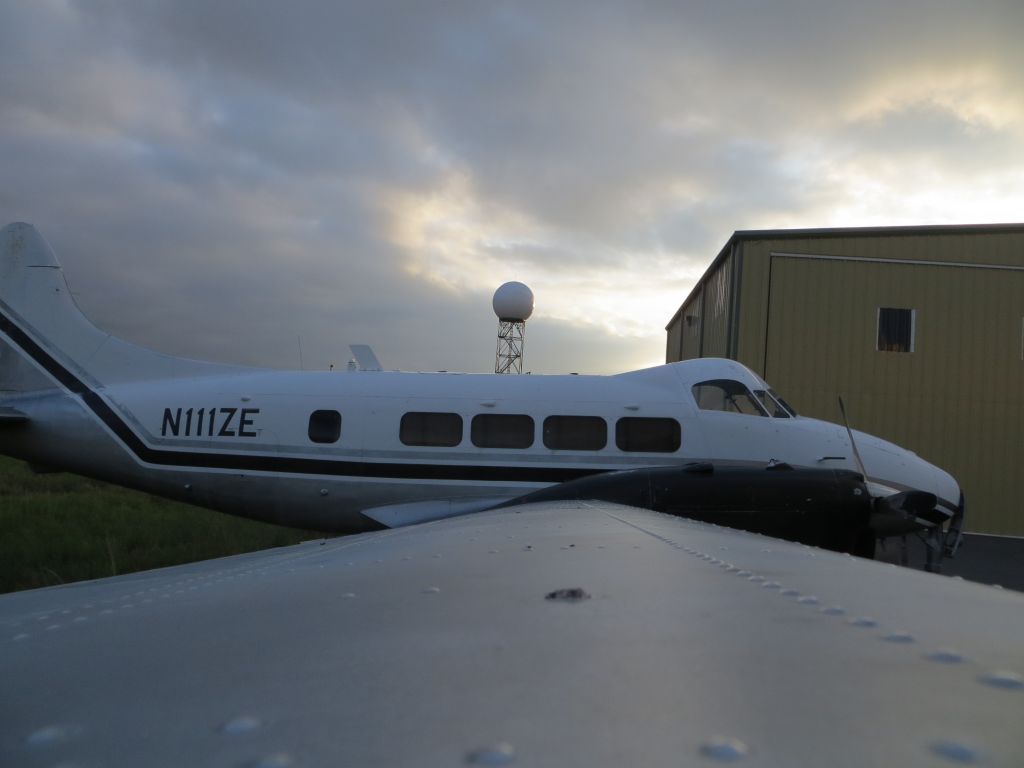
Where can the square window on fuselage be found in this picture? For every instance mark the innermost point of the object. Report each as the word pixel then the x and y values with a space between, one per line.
pixel 501 430
pixel 647 435
pixel 443 430
pixel 324 426
pixel 575 433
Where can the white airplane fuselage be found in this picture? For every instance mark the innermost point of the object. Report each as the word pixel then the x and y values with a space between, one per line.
pixel 241 442
pixel 357 450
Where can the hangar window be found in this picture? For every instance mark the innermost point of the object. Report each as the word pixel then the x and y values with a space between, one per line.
pixel 434 429
pixel 501 430
pixel 647 435
pixel 324 426
pixel 575 433
pixel 896 329
pixel 726 395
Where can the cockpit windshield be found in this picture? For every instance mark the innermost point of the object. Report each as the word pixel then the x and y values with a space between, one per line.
pixel 729 396
pixel 774 404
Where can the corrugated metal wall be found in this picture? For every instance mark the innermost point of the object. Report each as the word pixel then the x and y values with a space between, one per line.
pixel 717 300
pixel 692 320
pixel 702 328
pixel 674 339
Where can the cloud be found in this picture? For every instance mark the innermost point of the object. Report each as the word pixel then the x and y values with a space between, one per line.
pixel 224 179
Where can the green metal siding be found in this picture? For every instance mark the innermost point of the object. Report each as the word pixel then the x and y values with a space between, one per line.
pixel 692 320
pixel 753 303
pixel 717 299
pixel 673 340
pixel 684 332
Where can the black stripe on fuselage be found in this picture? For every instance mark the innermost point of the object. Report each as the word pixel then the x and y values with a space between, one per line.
pixel 67 379
pixel 265 463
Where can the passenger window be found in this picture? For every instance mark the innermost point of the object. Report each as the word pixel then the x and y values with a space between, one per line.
pixel 324 426
pixel 647 435
pixel 575 433
pixel 500 430
pixel 726 395
pixel 433 429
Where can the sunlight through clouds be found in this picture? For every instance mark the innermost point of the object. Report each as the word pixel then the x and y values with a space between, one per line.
pixel 976 94
pixel 453 239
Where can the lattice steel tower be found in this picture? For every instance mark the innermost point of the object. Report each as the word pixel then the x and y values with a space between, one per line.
pixel 513 304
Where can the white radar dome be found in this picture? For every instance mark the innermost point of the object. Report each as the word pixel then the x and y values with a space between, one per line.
pixel 513 301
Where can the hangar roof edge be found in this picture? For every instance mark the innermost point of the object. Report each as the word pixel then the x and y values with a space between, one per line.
pixel 741 235
pixel 915 229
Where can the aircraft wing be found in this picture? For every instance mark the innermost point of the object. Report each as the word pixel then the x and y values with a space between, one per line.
pixel 561 633
pixel 11 416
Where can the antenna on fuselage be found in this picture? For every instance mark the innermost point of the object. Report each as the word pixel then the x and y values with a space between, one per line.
pixel 853 443
pixel 513 304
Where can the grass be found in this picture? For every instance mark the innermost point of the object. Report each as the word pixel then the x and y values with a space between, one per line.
pixel 59 528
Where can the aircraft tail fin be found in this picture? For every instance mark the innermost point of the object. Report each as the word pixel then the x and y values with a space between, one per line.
pixel 44 336
pixel 365 357
pixel 36 309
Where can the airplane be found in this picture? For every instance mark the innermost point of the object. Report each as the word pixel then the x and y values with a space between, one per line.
pixel 575 618
pixel 358 451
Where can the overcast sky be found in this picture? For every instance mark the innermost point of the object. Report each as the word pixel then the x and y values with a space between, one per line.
pixel 239 180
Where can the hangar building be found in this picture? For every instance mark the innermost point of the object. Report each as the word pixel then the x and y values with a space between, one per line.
pixel 919 329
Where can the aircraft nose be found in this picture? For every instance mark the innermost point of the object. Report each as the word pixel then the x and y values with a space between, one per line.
pixel 902 469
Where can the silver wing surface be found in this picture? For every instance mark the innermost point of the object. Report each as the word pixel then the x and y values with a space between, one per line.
pixel 560 633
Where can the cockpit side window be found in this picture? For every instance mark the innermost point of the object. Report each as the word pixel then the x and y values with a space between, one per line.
pixel 771 402
pixel 778 398
pixel 727 395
